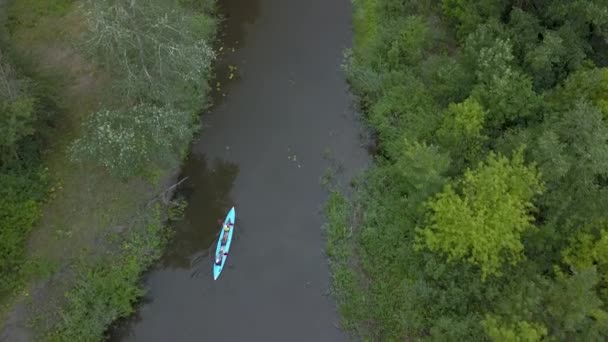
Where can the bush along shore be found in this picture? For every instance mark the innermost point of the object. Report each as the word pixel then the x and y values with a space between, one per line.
pixel 485 215
pixel 100 102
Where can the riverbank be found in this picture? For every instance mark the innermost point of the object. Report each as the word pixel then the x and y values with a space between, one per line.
pixel 264 150
pixel 481 217
pixel 98 232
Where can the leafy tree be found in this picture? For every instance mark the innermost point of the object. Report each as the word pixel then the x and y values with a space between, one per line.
pixel 494 60
pixel 461 132
pixel 405 108
pixel 17 108
pixel 483 225
pixel 468 14
pixel 20 197
pixel 134 141
pixel 523 31
pixel 154 50
pixel 573 310
pixel 504 91
pixel 572 154
pixel 417 172
pixel 588 84
pixel 584 16
pixel 446 78
pixel 488 77
pixel 548 60
pixel 509 99
pixel 588 247
pixel 409 45
pixel 517 332
pixel 22 183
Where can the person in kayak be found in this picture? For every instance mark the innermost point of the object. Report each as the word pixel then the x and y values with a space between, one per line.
pixel 219 256
pixel 229 224
pixel 226 230
pixel 225 238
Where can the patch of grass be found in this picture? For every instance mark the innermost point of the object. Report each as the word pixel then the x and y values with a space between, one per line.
pixel 365 23
pixel 327 178
pixel 340 248
pixel 29 13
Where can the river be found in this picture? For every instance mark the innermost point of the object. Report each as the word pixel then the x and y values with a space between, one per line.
pixel 263 149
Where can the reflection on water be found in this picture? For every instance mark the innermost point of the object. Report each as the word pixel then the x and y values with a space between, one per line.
pixel 207 191
pixel 237 15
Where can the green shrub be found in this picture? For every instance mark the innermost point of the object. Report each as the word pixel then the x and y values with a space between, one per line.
pixel 134 141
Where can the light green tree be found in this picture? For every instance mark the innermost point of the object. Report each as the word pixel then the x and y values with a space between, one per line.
pixel 521 331
pixel 483 224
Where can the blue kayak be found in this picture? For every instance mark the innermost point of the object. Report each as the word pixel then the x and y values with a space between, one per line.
pixel 223 244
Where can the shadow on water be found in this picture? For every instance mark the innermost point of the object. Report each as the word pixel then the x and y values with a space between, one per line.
pixel 198 229
pixel 237 15
pixel 190 242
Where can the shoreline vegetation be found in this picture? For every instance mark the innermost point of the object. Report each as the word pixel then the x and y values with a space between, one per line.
pixel 484 216
pixel 101 100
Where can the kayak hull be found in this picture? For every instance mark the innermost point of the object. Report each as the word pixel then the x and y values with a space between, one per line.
pixel 217 269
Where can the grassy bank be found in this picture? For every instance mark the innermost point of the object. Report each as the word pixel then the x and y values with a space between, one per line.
pixel 484 216
pixel 341 249
pixel 102 224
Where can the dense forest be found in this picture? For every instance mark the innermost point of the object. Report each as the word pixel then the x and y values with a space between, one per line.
pixel 485 216
pixel 99 100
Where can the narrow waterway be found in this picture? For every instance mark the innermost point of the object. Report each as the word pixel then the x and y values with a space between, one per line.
pixel 263 149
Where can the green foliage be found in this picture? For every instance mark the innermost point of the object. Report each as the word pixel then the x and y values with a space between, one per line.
pixel 409 46
pixel 396 113
pixel 461 132
pixel 108 289
pixel 158 55
pixel 102 294
pixel 509 98
pixel 547 60
pixel 574 310
pixel 27 13
pixel 484 225
pixel 590 84
pixel 22 182
pixel 468 14
pixel 497 258
pixel 517 332
pixel 589 248
pixel 20 196
pixel 572 155
pixel 418 171
pixel 18 110
pixel 156 51
pixel 339 246
pixel 132 141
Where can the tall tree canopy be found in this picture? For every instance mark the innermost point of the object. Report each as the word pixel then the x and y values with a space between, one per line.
pixel 484 224
pixel 484 217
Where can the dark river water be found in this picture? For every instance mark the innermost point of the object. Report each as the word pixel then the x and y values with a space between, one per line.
pixel 263 149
